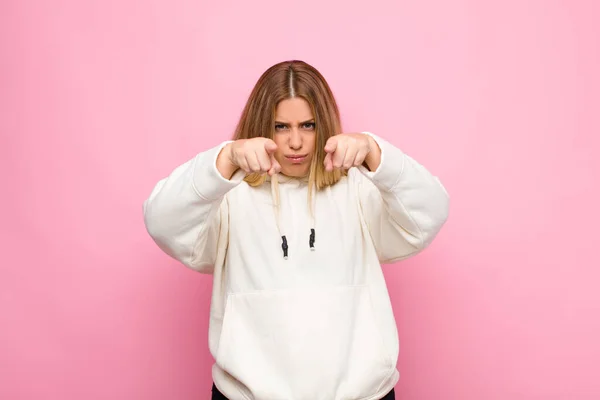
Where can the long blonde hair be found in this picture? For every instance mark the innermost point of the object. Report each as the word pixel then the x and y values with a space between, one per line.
pixel 282 81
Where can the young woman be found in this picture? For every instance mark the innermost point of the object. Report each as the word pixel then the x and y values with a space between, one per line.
pixel 293 218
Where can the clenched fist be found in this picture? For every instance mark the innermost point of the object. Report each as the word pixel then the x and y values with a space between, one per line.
pixel 348 150
pixel 256 155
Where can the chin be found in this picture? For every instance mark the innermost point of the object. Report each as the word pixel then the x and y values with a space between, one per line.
pixel 295 172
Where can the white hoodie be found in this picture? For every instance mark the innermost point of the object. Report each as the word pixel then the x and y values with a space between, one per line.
pixel 319 324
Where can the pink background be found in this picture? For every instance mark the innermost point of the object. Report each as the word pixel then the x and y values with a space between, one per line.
pixel 100 99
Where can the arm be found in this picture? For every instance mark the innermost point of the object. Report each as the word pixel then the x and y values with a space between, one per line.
pixel 404 205
pixel 186 212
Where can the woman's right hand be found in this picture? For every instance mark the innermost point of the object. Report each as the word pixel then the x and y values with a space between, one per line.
pixel 256 155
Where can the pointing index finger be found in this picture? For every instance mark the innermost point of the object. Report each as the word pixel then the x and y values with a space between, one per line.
pixel 270 146
pixel 331 145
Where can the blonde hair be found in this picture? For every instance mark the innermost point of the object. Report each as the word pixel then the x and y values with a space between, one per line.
pixel 283 81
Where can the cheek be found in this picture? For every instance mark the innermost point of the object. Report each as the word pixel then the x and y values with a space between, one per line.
pixel 280 147
pixel 278 139
pixel 311 143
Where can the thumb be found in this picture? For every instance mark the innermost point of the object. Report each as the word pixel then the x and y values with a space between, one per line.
pixel 270 146
pixel 331 145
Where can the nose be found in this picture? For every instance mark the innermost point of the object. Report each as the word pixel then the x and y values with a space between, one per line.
pixel 295 141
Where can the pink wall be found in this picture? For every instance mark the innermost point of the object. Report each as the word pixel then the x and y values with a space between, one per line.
pixel 100 99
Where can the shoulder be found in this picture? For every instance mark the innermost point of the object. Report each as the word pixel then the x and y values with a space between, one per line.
pixel 354 183
pixel 246 197
pixel 358 179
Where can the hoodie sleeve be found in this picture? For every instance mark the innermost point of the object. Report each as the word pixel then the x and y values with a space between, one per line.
pixel 403 204
pixel 186 213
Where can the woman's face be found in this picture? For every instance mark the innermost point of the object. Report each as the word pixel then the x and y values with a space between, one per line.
pixel 295 136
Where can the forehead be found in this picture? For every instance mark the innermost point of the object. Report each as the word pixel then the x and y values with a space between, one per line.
pixel 293 110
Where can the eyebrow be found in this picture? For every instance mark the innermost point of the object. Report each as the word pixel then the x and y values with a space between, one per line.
pixel 301 123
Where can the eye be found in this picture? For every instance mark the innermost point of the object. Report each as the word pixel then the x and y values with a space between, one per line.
pixel 309 126
pixel 280 127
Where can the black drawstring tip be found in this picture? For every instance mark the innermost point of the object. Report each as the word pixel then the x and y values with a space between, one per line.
pixel 284 246
pixel 311 240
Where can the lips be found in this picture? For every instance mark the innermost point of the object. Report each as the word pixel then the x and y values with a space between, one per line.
pixel 296 158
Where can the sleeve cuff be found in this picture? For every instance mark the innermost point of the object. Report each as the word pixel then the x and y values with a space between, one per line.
pixel 387 175
pixel 207 180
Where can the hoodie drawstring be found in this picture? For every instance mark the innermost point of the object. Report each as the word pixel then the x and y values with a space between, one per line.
pixel 276 206
pixel 313 203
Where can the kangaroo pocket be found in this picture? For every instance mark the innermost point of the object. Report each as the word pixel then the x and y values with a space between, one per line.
pixel 304 344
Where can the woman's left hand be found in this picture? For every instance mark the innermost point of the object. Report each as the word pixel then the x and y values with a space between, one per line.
pixel 348 150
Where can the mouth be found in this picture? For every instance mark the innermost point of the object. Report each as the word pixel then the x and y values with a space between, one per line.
pixel 296 158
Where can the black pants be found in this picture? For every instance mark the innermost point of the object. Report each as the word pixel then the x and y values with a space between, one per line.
pixel 216 395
